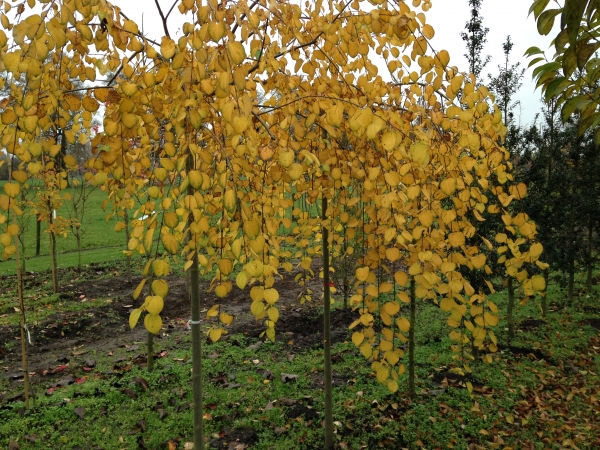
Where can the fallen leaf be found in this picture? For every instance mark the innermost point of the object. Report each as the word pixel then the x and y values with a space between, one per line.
pixel 80 412
pixel 285 377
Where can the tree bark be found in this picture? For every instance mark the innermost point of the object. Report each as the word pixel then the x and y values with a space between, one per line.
pixel 53 261
pixel 411 342
pixel 150 342
pixel 127 236
pixel 327 331
pixel 545 295
pixel 38 235
pixel 196 354
pixel 590 261
pixel 511 305
pixel 23 326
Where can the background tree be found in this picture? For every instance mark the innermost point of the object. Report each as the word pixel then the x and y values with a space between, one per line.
pixel 475 38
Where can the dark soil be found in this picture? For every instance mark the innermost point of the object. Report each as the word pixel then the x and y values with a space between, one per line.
pixel 64 342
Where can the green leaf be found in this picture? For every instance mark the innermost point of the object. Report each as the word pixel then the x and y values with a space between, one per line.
pixel 573 104
pixel 571 18
pixel 533 51
pixel 537 7
pixel 561 41
pixel 535 61
pixel 569 61
pixel 546 21
pixel 584 51
pixel 556 87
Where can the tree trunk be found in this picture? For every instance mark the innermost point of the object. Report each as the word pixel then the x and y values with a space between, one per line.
pixel 571 293
pixel 196 354
pixel 150 343
pixel 590 261
pixel 327 331
pixel 511 306
pixel 53 262
pixel 411 342
pixel 127 236
pixel 23 324
pixel 78 237
pixel 38 235
pixel 545 295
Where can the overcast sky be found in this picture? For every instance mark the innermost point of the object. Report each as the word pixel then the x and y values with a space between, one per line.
pixel 448 18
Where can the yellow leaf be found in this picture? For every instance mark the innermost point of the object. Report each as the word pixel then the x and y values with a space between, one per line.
pixel 366 350
pixel 8 117
pixel 31 123
pixel 295 171
pixel 90 104
pixel 167 47
pixel 225 266
pixel 538 283
pixel 215 334
pixel 490 319
pixel 229 200
pixel 391 308
pixel 427 31
pixel 510 419
pixel 478 261
pixel 225 318
pixel 426 218
pixel 388 140
pixel 153 323
pixel 419 153
pixel 536 250
pixel 251 229
pixel 241 279
pixel 403 324
pixel 271 296
pixel 257 308
pixel 448 186
pixel 382 374
pixel 216 30
pixel 161 268
pixel 169 242
pixel 237 52
pixel 456 239
pixel 160 288
pixel 357 338
pixel 134 317
pixel 154 304
pixel 392 385
pixel 221 291
pixel 12 189
pixel 286 158
pixel 414 269
pixel 138 289
pixel 273 314
pixel 362 273
pixel 392 254
pixel 392 178
pixel 401 278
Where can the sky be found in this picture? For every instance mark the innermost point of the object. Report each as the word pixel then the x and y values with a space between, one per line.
pixel 448 18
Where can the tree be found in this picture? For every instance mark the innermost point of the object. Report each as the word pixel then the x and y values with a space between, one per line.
pixel 571 74
pixel 504 86
pixel 475 39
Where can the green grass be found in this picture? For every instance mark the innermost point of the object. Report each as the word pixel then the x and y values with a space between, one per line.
pixel 100 242
pixel 366 414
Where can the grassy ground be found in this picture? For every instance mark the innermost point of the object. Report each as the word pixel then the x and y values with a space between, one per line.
pixel 99 240
pixel 541 391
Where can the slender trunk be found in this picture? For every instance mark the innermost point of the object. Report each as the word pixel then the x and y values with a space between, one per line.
pixel 196 354
pixel 511 306
pixel 545 295
pixel 570 294
pixel 78 237
pixel 590 262
pixel 127 236
pixel 23 259
pixel 53 262
pixel 23 323
pixel 411 342
pixel 38 235
pixel 327 331
pixel 150 342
